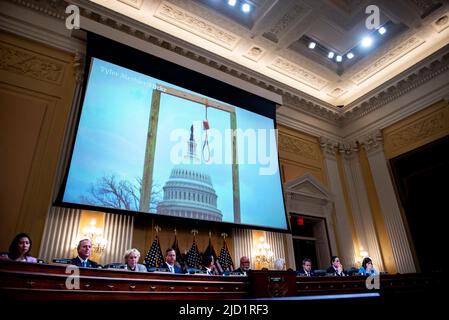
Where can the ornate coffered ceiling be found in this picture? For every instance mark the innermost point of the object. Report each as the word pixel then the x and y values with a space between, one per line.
pixel 269 40
pixel 266 48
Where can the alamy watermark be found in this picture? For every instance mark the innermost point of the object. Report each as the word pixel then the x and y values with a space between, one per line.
pixel 250 146
pixel 372 22
pixel 73 20
pixel 373 282
pixel 73 280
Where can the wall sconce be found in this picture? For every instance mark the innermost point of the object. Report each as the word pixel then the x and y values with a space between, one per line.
pixel 359 259
pixel 264 255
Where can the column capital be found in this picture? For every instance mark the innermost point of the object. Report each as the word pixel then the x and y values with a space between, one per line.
pixel 373 141
pixel 351 149
pixel 329 147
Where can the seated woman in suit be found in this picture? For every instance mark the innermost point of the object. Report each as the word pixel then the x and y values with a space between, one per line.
pixel 131 261
pixel 367 268
pixel 19 249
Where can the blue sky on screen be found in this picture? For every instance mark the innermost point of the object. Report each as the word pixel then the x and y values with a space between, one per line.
pixel 111 140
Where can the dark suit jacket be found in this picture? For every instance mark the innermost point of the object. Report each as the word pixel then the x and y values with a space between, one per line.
pixel 332 270
pixel 90 264
pixel 303 273
pixel 176 266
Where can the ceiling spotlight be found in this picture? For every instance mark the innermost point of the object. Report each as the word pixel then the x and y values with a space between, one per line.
pixel 246 7
pixel 339 58
pixel 350 55
pixel 367 42
pixel 330 55
pixel 382 30
pixel 312 45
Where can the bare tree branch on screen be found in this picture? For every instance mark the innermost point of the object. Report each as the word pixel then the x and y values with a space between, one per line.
pixel 112 192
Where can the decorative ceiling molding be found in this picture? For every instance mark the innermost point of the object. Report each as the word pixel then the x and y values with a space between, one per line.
pixel 197 25
pixel 409 82
pixel 441 23
pixel 133 3
pixel 284 23
pixel 427 6
pixel 254 53
pixel 52 8
pixel 337 92
pixel 312 108
pixel 297 73
pixel 391 56
pixel 293 99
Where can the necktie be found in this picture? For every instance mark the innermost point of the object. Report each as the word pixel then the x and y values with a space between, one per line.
pixel 172 269
pixel 84 263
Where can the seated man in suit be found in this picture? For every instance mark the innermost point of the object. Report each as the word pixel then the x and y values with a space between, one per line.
pixel 244 265
pixel 170 261
pixel 336 267
pixel 306 269
pixel 84 247
pixel 209 266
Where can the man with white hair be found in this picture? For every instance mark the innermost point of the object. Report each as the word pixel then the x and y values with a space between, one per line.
pixel 244 266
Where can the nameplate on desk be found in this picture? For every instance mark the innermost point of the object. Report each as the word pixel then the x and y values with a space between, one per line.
pixel 62 260
pixel 276 279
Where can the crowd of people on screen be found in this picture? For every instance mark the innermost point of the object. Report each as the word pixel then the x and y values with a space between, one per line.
pixel 20 248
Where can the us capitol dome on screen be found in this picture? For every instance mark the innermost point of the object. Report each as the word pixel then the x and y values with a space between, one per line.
pixel 189 191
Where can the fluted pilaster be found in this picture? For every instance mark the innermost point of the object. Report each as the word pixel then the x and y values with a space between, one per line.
pixel 361 210
pixel 342 221
pixel 373 144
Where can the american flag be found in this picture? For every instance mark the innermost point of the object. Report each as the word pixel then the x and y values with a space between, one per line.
pixel 225 258
pixel 154 257
pixel 193 256
pixel 179 257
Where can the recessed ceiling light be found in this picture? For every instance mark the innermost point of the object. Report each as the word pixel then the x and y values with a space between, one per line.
pixel 246 7
pixel 367 42
pixel 350 55
pixel 382 30
pixel 312 45
pixel 330 55
pixel 339 58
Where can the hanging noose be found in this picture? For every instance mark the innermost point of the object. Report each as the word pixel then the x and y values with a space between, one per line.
pixel 206 138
